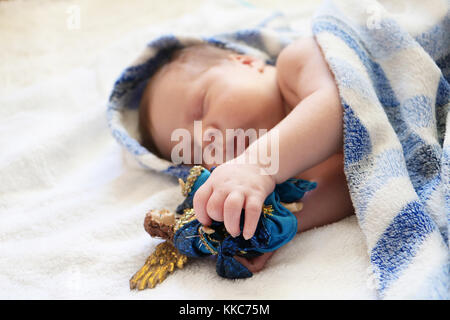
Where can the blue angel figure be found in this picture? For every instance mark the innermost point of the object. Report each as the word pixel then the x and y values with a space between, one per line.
pixel 276 226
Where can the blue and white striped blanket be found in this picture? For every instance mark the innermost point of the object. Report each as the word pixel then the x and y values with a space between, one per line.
pixel 395 92
pixel 394 86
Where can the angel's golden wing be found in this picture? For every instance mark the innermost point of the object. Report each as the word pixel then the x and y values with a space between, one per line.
pixel 293 206
pixel 159 264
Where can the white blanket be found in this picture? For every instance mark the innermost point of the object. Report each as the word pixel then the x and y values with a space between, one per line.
pixel 72 204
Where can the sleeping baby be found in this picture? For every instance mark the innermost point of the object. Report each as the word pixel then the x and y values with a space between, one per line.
pixel 297 99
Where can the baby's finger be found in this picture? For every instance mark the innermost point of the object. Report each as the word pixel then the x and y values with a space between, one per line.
pixel 253 207
pixel 214 207
pixel 199 202
pixel 232 209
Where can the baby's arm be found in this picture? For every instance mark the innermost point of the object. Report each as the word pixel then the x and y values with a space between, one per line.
pixel 308 135
pixel 312 131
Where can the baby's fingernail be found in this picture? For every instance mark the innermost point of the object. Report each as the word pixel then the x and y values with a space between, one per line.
pixel 246 236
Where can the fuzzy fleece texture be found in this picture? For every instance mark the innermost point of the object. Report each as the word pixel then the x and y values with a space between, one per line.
pixel 393 76
pixel 73 203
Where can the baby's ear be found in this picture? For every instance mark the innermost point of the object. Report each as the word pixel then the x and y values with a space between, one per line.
pixel 248 60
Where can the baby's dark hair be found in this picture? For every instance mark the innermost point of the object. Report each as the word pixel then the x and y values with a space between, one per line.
pixel 204 56
pixel 144 126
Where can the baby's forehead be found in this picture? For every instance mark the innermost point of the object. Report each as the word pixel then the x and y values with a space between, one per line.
pixel 178 71
pixel 187 65
pixel 172 86
pixel 198 58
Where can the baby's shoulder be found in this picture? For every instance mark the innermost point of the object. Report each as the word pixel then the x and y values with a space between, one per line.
pixel 296 53
pixel 295 56
pixel 301 67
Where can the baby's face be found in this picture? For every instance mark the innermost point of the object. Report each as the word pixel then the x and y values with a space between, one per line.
pixel 236 94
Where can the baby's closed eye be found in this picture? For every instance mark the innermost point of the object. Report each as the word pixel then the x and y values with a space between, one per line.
pixel 199 106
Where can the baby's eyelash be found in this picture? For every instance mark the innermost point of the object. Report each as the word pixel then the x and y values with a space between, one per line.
pixel 202 104
pixel 197 110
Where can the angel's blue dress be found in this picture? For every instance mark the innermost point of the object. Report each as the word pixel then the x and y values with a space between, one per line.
pixel 275 228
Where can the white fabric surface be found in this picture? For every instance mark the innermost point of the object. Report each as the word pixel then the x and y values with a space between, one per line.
pixel 72 204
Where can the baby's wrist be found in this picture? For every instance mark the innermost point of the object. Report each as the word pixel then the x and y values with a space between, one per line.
pixel 262 169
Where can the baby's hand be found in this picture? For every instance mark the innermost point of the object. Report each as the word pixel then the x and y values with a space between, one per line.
pixel 232 187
